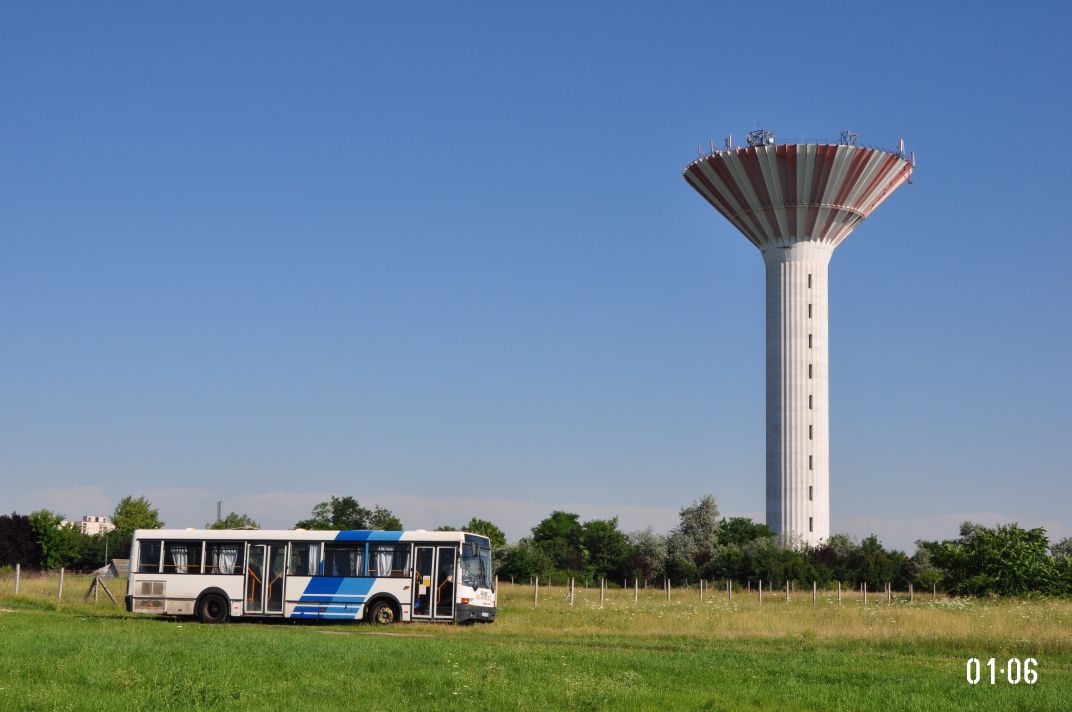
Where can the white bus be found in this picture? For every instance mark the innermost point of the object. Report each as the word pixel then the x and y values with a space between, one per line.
pixel 376 576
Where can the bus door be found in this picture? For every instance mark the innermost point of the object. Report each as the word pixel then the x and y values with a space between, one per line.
pixel 445 565
pixel 266 570
pixel 433 583
pixel 423 588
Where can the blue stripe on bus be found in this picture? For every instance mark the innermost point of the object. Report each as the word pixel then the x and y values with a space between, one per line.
pixel 368 536
pixel 336 592
pixel 325 587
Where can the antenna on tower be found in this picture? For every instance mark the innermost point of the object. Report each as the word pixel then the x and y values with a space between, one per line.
pixel 761 137
pixel 848 138
pixel 699 150
pixel 729 140
pixel 712 145
pixel 900 146
pixel 912 159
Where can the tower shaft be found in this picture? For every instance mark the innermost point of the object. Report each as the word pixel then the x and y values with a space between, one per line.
pixel 798 415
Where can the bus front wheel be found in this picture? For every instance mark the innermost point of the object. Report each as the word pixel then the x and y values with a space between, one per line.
pixel 212 609
pixel 382 613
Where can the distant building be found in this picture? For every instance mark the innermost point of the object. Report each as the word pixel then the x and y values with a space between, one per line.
pixel 91 524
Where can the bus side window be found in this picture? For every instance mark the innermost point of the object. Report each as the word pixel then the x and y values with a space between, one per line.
pixel 389 559
pixel 182 557
pixel 223 557
pixel 343 559
pixel 148 556
pixel 304 558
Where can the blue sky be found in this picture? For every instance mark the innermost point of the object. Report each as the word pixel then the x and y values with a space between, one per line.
pixel 442 258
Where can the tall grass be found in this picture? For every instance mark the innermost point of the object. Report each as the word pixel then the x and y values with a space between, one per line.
pixel 652 654
pixel 1039 622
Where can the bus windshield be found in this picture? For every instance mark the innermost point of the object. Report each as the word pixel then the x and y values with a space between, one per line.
pixel 476 566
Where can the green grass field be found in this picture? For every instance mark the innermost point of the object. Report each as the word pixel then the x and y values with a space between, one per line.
pixel 683 654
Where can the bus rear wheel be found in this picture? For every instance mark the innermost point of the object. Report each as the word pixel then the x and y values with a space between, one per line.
pixel 382 613
pixel 212 609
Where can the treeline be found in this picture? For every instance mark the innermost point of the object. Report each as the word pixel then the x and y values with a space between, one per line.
pixel 1005 560
pixel 40 540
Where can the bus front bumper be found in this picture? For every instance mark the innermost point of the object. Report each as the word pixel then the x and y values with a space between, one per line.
pixel 466 612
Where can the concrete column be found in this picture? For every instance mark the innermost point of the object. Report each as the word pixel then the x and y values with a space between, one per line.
pixel 798 415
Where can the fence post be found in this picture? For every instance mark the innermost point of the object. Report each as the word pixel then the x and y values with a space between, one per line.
pixel 668 590
pixel 749 584
pixel 787 591
pixel 701 590
pixel 602 590
pixel 889 593
pixel 839 593
pixel 59 592
pixel 536 592
pixel 814 591
pixel 911 594
pixel 865 593
pixel 934 591
pixel 636 591
pixel 729 590
pixel 18 571
pixel 571 585
pixel 761 591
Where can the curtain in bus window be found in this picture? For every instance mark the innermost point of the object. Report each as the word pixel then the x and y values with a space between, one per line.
pixel 391 559
pixel 304 558
pixel 228 557
pixel 177 554
pixel 384 557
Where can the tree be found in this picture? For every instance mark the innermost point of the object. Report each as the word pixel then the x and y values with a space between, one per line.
pixel 559 536
pixel 647 555
pixel 18 542
pixel 486 528
pixel 606 545
pixel 234 520
pixel 58 548
pixel 348 514
pixel 836 555
pixel 877 566
pixel 691 545
pixel 922 569
pixel 525 560
pixel 131 514
pixel 1006 560
pixel 741 530
pixel 1060 550
pixel 764 560
pixel 383 520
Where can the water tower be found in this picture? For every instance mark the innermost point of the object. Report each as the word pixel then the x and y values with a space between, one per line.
pixel 796 202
